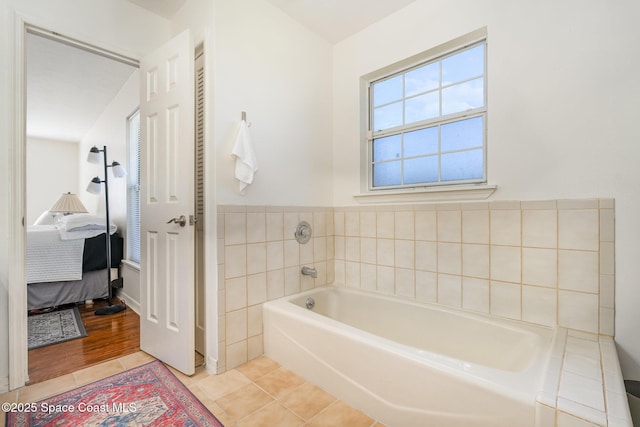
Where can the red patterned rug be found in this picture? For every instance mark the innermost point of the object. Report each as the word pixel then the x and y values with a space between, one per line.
pixel 149 395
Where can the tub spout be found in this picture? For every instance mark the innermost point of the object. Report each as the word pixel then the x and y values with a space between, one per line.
pixel 310 271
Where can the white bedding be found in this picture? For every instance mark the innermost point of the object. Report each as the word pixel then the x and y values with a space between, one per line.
pixel 51 259
pixel 82 226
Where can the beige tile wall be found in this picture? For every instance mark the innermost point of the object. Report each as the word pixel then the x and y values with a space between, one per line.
pixel 260 260
pixel 544 262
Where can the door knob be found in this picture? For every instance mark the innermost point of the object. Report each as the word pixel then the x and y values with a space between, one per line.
pixel 182 221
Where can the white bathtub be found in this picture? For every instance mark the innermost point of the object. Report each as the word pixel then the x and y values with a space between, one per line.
pixel 410 364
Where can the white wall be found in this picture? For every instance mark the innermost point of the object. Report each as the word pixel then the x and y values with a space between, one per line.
pixel 52 169
pixel 130 292
pixel 259 60
pixel 56 167
pixel 279 73
pixel 113 24
pixel 111 130
pixel 562 100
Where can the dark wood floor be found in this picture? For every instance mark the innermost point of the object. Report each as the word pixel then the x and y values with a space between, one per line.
pixel 108 337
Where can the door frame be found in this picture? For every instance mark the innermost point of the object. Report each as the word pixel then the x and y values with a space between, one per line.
pixel 16 290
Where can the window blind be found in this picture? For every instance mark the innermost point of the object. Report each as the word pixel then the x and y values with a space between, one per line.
pixel 133 189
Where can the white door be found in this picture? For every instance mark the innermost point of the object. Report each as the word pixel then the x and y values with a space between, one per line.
pixel 167 195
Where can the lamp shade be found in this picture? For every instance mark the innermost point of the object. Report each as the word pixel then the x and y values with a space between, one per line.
pixel 94 186
pixel 94 155
pixel 118 170
pixel 68 203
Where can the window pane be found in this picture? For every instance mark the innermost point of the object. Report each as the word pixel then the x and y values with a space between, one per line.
pixel 387 117
pixel 386 148
pixel 432 116
pixel 421 142
pixel 461 134
pixel 422 79
pixel 464 65
pixel 387 90
pixel 462 165
pixel 421 170
pixel 386 174
pixel 422 107
pixel 462 97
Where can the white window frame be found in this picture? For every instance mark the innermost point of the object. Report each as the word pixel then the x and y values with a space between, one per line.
pixel 133 189
pixel 443 190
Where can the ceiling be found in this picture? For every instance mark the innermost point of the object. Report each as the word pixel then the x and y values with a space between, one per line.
pixel 334 20
pixel 68 88
pixel 164 8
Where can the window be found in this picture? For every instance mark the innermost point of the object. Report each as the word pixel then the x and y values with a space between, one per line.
pixel 427 121
pixel 133 188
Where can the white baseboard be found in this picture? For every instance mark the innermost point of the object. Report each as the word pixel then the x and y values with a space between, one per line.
pixel 211 366
pixel 129 302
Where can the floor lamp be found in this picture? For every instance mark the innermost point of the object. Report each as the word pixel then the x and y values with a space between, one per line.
pixel 94 187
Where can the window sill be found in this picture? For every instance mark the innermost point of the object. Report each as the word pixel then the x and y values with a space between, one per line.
pixel 431 194
pixel 131 264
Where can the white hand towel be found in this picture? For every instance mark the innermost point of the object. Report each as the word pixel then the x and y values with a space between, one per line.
pixel 246 163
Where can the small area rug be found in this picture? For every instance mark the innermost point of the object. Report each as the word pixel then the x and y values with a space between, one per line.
pixel 54 327
pixel 149 395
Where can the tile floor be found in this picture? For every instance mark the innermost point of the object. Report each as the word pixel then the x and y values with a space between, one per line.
pixel 258 393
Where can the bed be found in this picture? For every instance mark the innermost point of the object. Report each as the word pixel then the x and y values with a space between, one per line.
pixel 66 262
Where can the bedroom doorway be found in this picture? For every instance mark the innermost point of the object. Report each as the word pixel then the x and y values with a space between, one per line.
pixel 18 355
pixel 90 51
pixel 73 94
